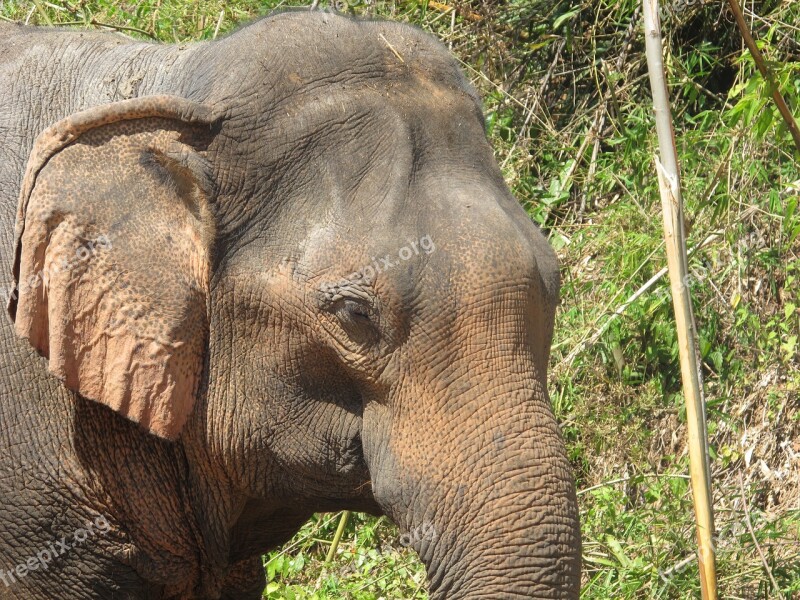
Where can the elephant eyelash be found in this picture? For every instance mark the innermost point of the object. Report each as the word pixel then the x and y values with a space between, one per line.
pixel 351 308
pixel 358 297
pixel 354 307
pixel 357 318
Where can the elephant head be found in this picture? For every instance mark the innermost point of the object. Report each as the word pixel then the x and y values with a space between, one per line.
pixel 301 264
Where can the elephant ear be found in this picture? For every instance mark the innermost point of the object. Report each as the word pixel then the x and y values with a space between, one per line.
pixel 113 236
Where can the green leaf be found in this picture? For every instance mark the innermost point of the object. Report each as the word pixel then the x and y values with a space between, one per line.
pixel 617 551
pixel 566 17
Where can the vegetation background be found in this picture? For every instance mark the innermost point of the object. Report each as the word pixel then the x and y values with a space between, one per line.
pixel 569 114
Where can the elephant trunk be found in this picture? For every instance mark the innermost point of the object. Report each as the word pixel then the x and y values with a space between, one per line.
pixel 492 514
pixel 515 532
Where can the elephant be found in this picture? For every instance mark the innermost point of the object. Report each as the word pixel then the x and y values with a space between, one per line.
pixel 256 278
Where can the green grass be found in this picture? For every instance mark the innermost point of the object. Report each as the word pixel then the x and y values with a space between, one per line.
pixel 619 399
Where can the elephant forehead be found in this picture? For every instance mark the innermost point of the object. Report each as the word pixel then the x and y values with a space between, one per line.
pixel 295 57
pixel 329 46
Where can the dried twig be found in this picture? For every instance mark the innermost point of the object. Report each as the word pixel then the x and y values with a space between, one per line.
pixel 219 23
pixel 536 101
pixel 755 541
pixel 109 26
pixel 590 341
pixel 395 52
pixel 631 477
pixel 467 14
pixel 610 84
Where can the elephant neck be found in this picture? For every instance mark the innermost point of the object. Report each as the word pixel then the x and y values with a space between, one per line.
pixel 145 489
pixel 212 506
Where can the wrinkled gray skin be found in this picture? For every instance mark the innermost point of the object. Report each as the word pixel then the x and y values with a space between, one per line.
pixel 418 392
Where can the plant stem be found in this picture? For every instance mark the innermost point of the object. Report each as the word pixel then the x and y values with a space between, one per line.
pixel 677 261
pixel 337 537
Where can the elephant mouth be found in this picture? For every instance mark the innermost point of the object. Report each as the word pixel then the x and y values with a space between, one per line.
pixel 345 482
pixel 349 458
pixel 350 467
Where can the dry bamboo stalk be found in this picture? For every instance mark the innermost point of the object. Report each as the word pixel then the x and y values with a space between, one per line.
pixel 766 73
pixel 674 236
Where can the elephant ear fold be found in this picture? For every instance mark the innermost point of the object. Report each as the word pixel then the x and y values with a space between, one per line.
pixel 113 236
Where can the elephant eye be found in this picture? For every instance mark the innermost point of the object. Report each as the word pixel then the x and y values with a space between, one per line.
pixel 354 308
pixel 353 312
pixel 358 320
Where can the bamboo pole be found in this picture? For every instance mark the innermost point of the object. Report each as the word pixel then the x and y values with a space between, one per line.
pixel 674 236
pixel 766 73
pixel 337 537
